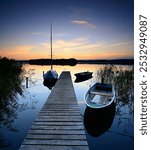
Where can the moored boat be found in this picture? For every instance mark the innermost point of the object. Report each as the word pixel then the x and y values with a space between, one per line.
pixel 100 95
pixel 50 76
pixel 85 74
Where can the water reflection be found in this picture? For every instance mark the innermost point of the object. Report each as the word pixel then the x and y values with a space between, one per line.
pixel 36 94
pixel 28 77
pixel 49 84
pixel 98 121
pixel 10 86
pixel 81 79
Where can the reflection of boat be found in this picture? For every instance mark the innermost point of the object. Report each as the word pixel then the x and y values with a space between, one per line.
pixel 98 121
pixel 83 74
pixel 100 95
pixel 51 75
pixel 81 79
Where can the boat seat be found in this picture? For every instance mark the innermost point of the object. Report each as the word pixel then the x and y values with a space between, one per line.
pixel 102 94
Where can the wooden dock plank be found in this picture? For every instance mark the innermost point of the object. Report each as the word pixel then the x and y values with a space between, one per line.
pixel 68 118
pixel 45 127
pixel 59 124
pixel 55 142
pixel 58 137
pixel 44 119
pixel 52 113
pixel 46 132
pixel 48 147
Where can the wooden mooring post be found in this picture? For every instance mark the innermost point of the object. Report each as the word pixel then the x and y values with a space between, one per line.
pixel 59 125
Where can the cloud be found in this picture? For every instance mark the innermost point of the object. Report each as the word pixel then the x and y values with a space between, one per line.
pixel 84 23
pixel 20 49
pixel 37 33
pixel 46 45
pixel 60 34
pixel 43 34
pixel 115 44
pixel 73 43
pixel 17 51
pixel 78 47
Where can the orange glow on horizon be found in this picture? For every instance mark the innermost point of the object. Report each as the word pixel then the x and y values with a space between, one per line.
pixel 23 55
pixel 80 48
pixel 78 57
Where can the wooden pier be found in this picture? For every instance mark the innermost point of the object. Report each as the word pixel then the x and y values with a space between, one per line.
pixel 59 125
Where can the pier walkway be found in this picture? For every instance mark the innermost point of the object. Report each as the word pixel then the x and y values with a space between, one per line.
pixel 59 125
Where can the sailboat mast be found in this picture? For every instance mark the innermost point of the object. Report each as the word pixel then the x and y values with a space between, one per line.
pixel 51 43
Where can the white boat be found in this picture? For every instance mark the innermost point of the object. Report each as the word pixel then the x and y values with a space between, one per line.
pixel 50 76
pixel 100 95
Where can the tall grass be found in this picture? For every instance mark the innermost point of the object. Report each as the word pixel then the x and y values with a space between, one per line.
pixel 123 81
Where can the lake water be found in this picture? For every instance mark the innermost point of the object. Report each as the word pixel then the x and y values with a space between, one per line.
pixel 108 129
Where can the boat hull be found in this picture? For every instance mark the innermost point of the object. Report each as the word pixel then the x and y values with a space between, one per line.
pixel 100 96
pixel 50 78
pixel 84 74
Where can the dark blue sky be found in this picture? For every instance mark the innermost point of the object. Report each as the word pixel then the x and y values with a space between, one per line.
pixel 89 25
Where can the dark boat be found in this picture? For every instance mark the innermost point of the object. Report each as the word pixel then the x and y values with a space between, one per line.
pixel 50 76
pixel 85 74
pixel 100 95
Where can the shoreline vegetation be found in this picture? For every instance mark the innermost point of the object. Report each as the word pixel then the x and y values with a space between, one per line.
pixel 73 61
pixel 10 85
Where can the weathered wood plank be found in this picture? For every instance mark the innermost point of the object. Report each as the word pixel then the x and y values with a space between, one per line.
pixel 45 132
pixel 60 107
pixel 56 136
pixel 43 127
pixel 49 113
pixel 47 118
pixel 60 117
pixel 61 104
pixel 57 120
pixel 55 142
pixel 57 123
pixel 59 110
pixel 50 147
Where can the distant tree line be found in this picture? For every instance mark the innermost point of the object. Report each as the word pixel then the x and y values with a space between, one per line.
pixel 111 61
pixel 71 62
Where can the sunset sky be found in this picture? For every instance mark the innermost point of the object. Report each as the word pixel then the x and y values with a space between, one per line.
pixel 82 29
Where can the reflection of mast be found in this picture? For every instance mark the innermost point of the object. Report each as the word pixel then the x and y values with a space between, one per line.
pixel 51 43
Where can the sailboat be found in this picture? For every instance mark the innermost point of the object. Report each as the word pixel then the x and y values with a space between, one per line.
pixel 51 76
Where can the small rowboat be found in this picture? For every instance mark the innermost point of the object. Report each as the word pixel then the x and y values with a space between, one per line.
pixel 86 74
pixel 100 95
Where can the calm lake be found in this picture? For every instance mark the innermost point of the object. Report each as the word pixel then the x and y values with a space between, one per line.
pixel 109 129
